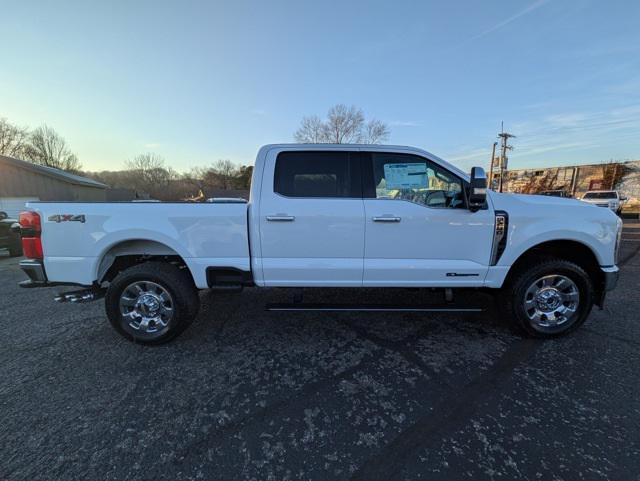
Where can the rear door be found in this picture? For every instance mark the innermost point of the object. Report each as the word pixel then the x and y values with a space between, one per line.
pixel 311 219
pixel 418 229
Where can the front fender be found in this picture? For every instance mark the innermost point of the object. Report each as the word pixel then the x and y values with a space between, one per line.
pixel 599 237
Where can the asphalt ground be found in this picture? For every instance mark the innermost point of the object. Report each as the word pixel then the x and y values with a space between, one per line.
pixel 249 394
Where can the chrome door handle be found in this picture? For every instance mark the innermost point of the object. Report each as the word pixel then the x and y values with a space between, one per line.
pixel 386 218
pixel 281 218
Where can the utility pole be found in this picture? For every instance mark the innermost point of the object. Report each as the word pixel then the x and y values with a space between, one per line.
pixel 491 165
pixel 505 136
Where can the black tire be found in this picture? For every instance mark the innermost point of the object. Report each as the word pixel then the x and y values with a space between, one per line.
pixel 15 247
pixel 516 297
pixel 182 298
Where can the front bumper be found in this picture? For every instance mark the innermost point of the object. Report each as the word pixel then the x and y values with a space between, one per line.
pixel 610 275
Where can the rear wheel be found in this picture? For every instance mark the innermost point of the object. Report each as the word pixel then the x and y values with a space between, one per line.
pixel 152 303
pixel 548 299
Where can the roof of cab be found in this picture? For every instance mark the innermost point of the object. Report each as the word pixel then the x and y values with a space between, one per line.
pixel 369 147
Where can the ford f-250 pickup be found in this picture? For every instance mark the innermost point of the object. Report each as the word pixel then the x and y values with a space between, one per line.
pixel 330 216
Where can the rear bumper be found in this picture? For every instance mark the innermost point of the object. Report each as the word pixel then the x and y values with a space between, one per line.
pixel 35 270
pixel 610 275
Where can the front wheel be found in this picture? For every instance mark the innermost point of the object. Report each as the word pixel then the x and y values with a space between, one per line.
pixel 152 303
pixel 548 299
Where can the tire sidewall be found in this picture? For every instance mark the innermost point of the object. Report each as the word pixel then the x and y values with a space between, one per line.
pixel 573 272
pixel 181 317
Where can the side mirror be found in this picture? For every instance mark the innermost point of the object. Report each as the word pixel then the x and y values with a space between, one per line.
pixel 623 198
pixel 3 215
pixel 477 189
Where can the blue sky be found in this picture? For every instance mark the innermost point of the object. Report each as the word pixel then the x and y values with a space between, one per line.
pixel 199 81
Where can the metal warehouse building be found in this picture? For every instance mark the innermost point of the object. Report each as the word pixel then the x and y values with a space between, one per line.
pixel 22 181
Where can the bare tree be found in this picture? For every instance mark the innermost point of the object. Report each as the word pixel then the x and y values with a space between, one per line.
pixel 227 172
pixel 13 139
pixel 195 178
pixel 311 131
pixel 149 174
pixel 343 125
pixel 375 132
pixel 46 147
pixel 243 179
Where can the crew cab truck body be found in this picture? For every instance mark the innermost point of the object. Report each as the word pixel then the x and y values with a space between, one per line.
pixel 330 216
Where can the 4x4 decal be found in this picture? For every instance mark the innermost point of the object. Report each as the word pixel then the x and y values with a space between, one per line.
pixel 67 218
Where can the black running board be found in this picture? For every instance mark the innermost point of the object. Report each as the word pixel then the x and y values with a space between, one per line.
pixel 369 308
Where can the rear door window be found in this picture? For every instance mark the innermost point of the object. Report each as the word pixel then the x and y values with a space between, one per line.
pixel 331 174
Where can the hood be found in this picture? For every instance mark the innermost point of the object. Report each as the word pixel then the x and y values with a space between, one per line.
pixel 533 199
pixel 536 205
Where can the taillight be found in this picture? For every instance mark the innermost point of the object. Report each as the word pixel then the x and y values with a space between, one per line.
pixel 32 247
pixel 31 229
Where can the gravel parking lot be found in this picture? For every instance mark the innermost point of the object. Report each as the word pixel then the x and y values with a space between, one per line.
pixel 249 394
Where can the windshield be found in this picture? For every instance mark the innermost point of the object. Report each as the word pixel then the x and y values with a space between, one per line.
pixel 600 195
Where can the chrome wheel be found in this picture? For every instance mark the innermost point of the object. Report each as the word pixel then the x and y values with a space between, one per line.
pixel 146 307
pixel 551 301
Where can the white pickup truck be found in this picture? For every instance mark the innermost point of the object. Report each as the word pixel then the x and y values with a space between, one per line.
pixel 611 199
pixel 330 216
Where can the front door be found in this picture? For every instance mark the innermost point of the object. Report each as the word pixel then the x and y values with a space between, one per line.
pixel 418 229
pixel 312 219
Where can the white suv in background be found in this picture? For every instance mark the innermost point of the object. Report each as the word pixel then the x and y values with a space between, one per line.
pixel 605 198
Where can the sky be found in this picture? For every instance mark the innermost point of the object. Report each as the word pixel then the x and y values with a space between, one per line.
pixel 199 81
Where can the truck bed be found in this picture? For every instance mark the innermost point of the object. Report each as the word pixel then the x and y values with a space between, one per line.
pixel 77 236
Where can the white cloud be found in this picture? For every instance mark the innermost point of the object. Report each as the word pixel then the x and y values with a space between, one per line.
pixel 405 123
pixel 534 6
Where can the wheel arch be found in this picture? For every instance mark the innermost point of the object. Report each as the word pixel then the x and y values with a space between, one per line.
pixel 571 250
pixel 130 252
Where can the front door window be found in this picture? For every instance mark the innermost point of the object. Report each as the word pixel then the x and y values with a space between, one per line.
pixel 415 179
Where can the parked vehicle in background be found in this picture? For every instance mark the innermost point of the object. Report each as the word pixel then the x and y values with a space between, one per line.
pixel 331 216
pixel 610 199
pixel 556 193
pixel 10 238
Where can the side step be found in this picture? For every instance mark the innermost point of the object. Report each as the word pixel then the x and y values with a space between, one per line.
pixel 299 306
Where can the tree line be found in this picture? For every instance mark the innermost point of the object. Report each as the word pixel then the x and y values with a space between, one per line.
pixel 42 146
pixel 149 174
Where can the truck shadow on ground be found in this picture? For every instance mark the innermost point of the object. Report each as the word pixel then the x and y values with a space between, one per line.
pixel 223 314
